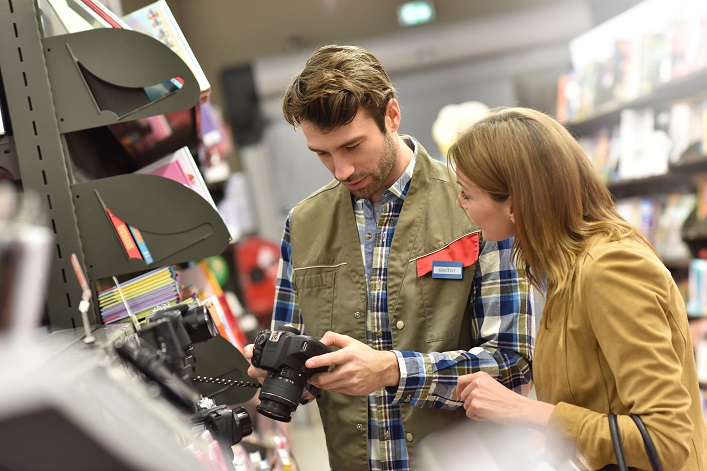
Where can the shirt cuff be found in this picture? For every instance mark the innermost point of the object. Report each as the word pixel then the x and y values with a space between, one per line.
pixel 309 394
pixel 407 369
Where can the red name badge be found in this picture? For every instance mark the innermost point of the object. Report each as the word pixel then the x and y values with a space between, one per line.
pixel 465 250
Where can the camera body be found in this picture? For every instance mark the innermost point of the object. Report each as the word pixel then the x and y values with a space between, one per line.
pixel 283 354
pixel 174 330
pixel 163 352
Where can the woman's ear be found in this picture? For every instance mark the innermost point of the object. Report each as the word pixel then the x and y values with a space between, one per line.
pixel 509 207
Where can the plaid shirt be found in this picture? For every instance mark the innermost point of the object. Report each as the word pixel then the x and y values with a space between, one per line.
pixel 502 322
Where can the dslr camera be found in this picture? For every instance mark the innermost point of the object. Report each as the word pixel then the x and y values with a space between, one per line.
pixel 283 354
pixel 172 332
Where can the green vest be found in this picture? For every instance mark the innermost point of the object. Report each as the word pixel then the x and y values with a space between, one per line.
pixel 426 314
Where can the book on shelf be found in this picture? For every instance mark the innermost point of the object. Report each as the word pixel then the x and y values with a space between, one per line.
pixel 199 277
pixel 97 14
pixel 628 56
pixel 143 294
pixel 226 322
pixel 181 167
pixel 130 237
pixel 141 245
pixel 72 16
pixel 158 21
pixel 676 208
pixel 140 136
pixel 61 18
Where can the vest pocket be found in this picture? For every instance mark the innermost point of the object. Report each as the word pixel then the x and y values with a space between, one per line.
pixel 446 307
pixel 315 290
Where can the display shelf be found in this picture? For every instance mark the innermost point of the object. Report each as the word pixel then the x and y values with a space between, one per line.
pixel 654 131
pixel 680 182
pixel 178 225
pixel 98 77
pixel 608 113
pixel 66 84
pixel 97 153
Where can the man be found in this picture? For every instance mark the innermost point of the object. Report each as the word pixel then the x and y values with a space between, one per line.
pixel 384 268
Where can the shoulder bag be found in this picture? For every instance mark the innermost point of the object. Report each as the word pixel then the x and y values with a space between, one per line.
pixel 647 442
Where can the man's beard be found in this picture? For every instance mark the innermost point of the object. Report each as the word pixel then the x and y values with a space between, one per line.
pixel 382 172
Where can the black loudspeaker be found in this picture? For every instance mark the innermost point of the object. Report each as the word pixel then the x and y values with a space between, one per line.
pixel 242 105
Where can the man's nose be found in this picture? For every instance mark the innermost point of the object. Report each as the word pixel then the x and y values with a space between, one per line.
pixel 342 169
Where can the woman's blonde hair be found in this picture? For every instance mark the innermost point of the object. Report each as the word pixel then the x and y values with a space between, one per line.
pixel 559 203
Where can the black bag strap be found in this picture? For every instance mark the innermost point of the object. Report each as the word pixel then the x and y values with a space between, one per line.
pixel 616 440
pixel 647 443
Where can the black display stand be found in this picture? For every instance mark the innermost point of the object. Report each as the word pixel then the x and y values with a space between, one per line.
pixel 84 80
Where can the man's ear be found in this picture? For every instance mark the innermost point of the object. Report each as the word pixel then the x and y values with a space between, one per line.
pixel 392 115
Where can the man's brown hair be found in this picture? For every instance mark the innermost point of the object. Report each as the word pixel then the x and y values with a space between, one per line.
pixel 335 84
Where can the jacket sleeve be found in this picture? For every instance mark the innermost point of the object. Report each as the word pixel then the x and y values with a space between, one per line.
pixel 634 309
pixel 503 329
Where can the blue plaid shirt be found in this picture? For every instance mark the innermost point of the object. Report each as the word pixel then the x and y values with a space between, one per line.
pixel 502 322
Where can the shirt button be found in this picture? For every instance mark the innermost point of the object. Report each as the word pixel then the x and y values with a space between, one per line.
pixel 368 236
pixel 407 399
pixel 400 325
pixel 386 435
pixel 357 315
pixel 409 437
pixel 359 426
pixel 379 334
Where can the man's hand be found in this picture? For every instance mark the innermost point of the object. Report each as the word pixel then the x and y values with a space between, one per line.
pixel 355 369
pixel 253 372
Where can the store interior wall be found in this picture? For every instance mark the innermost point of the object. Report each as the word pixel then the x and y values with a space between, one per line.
pixel 497 68
pixel 494 80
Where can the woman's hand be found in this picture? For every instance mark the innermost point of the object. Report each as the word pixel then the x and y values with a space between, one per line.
pixel 486 399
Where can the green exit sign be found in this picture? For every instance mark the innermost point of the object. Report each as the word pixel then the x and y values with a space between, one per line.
pixel 415 13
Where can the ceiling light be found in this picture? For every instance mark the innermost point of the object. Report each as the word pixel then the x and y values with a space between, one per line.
pixel 415 13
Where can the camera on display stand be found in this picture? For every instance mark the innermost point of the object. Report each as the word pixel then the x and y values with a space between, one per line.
pixel 163 352
pixel 283 354
pixel 174 331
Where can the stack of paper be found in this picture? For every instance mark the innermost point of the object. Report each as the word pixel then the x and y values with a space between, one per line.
pixel 157 288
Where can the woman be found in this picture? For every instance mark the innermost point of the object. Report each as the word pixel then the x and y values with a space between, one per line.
pixel 614 334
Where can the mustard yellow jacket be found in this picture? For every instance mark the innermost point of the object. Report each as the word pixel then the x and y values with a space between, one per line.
pixel 621 344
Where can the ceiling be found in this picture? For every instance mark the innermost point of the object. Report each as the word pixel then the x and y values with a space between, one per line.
pixel 224 33
pixel 248 29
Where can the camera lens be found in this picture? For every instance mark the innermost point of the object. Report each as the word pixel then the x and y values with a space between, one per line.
pixel 199 324
pixel 230 424
pixel 280 394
